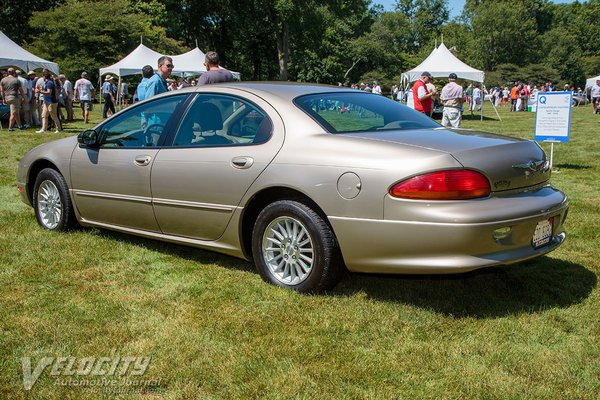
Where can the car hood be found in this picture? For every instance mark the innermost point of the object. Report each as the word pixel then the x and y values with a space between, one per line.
pixel 509 163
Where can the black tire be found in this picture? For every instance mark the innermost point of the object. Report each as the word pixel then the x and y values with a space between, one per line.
pixel 325 267
pixel 52 202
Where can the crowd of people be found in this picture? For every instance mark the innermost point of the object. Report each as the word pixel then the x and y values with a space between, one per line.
pixel 46 101
pixel 454 96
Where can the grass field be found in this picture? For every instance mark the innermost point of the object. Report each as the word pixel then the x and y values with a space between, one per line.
pixel 215 330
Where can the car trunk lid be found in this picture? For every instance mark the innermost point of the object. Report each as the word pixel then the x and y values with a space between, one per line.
pixel 509 163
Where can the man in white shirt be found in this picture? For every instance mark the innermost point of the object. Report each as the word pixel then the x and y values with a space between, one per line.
pixel 595 93
pixel 376 88
pixel 84 91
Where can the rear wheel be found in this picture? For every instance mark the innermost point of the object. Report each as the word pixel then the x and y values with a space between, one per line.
pixel 52 202
pixel 294 247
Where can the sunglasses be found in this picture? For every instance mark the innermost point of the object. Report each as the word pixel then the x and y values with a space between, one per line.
pixel 169 65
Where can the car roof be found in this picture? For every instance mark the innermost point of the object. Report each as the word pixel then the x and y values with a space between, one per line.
pixel 282 90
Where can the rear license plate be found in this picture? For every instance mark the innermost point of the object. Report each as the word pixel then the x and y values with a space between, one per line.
pixel 542 234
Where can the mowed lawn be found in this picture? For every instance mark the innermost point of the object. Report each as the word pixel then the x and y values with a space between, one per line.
pixel 215 330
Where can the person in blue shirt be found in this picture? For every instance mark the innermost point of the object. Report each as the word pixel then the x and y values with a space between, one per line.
pixel 140 92
pixel 157 84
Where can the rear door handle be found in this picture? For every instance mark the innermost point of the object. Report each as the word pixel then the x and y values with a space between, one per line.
pixel 142 160
pixel 242 162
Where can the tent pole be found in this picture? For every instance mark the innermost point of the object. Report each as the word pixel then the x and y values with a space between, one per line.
pixel 495 109
pixel 119 94
pixel 100 87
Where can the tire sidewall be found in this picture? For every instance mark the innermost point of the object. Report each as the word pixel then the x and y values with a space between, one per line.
pixel 298 211
pixel 56 178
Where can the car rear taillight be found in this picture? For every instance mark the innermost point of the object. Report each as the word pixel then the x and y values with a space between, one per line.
pixel 443 185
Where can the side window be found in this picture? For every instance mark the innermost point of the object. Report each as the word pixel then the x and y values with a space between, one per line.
pixel 142 125
pixel 220 120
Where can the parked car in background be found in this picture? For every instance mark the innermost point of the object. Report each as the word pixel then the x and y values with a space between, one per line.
pixel 304 180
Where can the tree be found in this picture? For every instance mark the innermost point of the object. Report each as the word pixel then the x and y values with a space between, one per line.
pixel 86 35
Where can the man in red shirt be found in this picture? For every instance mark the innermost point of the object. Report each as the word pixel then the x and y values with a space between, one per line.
pixel 421 95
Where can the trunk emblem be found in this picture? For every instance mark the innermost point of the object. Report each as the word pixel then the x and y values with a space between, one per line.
pixel 533 167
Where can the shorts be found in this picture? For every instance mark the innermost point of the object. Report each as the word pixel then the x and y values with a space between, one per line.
pixel 85 105
pixel 15 105
pixel 595 99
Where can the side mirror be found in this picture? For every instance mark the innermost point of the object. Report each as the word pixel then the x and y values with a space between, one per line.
pixel 88 138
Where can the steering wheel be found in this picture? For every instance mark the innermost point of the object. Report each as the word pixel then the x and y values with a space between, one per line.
pixel 152 133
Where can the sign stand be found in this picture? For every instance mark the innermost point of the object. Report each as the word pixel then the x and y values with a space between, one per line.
pixel 553 119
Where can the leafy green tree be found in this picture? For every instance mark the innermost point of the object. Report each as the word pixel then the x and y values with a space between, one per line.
pixel 564 55
pixel 15 17
pixel 87 35
pixel 426 18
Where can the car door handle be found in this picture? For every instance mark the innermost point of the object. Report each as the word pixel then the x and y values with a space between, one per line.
pixel 242 162
pixel 142 160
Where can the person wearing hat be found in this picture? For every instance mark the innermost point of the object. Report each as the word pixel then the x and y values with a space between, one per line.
pixel 109 91
pixel 421 95
pixel 452 98
pixel 12 95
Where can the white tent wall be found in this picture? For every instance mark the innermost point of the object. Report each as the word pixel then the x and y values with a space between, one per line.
pixel 13 55
pixel 590 82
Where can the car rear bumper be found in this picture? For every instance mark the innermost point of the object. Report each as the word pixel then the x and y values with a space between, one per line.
pixel 417 247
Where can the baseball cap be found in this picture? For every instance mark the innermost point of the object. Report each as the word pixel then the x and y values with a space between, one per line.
pixel 427 74
pixel 452 76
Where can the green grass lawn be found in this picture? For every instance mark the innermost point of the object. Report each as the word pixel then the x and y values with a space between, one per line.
pixel 215 330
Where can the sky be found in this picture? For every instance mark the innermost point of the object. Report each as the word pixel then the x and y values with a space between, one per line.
pixel 455 6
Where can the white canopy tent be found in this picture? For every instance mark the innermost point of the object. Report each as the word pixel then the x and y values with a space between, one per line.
pixel 440 63
pixel 11 54
pixel 186 64
pixel 190 63
pixel 133 62
pixel 590 82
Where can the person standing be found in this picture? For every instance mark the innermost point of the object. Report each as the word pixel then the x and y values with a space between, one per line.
pixel 124 94
pixel 214 73
pixel 157 84
pixel 376 88
pixel 31 81
pixel 84 92
pixel 50 106
pixel 514 96
pixel 12 95
pixel 476 98
pixel 108 91
pixel 452 98
pixel 421 95
pixel 595 94
pixel 68 95
pixel 25 105
pixel 140 91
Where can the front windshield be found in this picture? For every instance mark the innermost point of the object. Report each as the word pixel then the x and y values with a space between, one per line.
pixel 344 112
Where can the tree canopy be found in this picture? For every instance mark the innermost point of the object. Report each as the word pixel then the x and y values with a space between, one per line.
pixel 326 41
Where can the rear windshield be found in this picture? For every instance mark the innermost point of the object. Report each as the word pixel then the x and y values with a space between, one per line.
pixel 345 112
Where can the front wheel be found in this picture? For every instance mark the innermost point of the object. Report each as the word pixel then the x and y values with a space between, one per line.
pixel 293 247
pixel 52 202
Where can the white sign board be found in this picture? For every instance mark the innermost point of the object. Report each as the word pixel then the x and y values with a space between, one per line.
pixel 553 117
